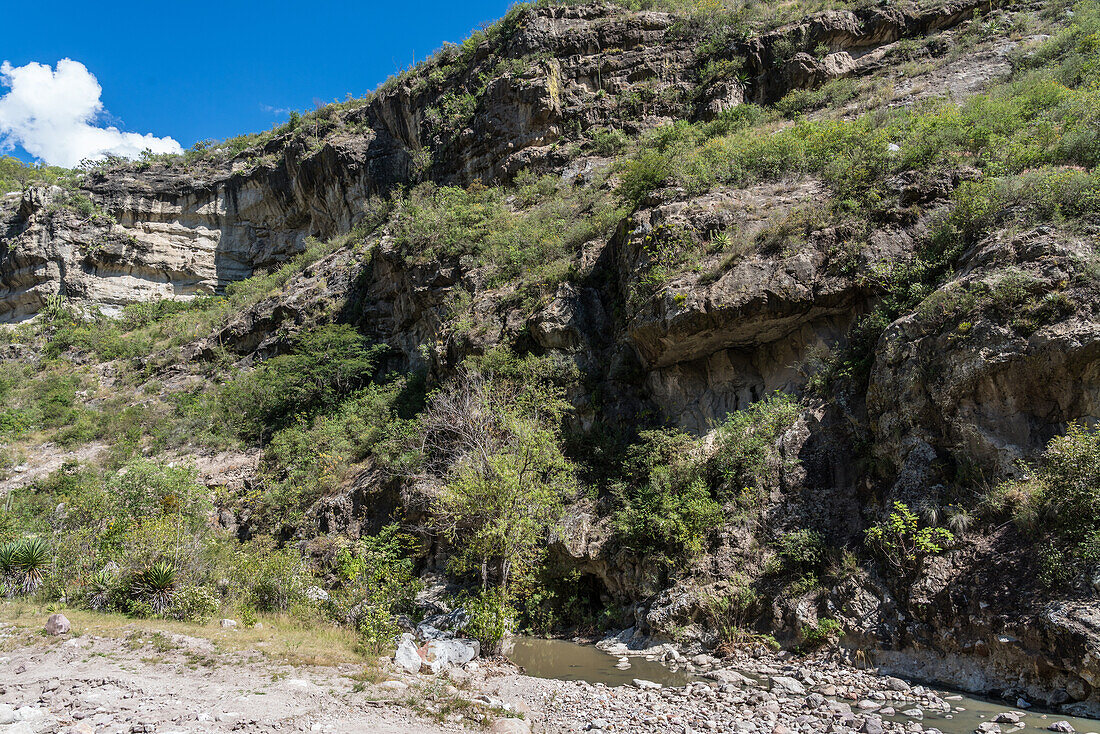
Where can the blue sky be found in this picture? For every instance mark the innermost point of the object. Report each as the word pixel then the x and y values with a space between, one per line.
pixel 213 70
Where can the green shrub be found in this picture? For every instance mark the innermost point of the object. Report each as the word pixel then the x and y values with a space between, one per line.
pixel 666 505
pixel 324 365
pixel 268 578
pixel 193 603
pixel 800 551
pixel 730 615
pixel 746 460
pixel 15 175
pixel 376 583
pixel 154 588
pixel 902 544
pixel 1060 499
pixel 491 619
pixel 607 141
pixel 819 634
pixel 25 563
pixel 309 457
pixel 100 591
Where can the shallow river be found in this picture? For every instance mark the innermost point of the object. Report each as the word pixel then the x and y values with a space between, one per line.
pixel 569 661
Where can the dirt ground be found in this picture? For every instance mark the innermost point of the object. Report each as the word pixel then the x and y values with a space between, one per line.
pixel 133 677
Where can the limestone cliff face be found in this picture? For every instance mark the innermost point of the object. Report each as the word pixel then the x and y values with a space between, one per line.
pixel 182 230
pixel 726 326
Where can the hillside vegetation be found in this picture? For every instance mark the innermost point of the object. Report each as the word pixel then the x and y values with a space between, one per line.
pixel 719 376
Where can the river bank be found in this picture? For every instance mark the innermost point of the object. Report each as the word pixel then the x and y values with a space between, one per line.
pixel 772 694
pixel 114 675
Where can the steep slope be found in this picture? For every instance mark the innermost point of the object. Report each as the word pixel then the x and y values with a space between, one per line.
pixel 886 214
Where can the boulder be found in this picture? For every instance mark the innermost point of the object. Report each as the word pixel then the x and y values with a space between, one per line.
pixel 443 626
pixel 730 676
pixel 786 684
pixel 452 652
pixel 57 624
pixel 407 656
pixel 1007 717
pixel 510 726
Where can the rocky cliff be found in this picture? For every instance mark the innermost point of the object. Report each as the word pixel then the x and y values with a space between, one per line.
pixel 693 301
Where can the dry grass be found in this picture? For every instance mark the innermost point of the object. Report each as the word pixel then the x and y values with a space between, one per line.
pixel 281 638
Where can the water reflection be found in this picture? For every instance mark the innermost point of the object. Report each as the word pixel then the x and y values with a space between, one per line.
pixel 570 661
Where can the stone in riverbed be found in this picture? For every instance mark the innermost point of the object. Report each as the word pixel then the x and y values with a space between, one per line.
pixel 727 675
pixel 647 685
pixel 786 684
pixel 872 726
pixel 896 684
pixel 1062 726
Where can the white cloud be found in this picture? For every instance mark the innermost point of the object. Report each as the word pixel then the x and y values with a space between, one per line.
pixel 52 114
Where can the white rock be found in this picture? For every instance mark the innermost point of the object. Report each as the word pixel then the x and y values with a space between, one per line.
pixel 57 624
pixel 407 656
pixel 393 685
pixel 316 594
pixel 228 624
pixel 452 652
pixel 510 726
pixel 788 684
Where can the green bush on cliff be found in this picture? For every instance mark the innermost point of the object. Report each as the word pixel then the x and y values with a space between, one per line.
pixel 746 461
pixel 496 446
pixel 670 497
pixel 323 366
pixel 532 244
pixel 902 544
pixel 311 456
pixel 666 505
pixel 1046 114
pixel 15 175
pixel 1058 497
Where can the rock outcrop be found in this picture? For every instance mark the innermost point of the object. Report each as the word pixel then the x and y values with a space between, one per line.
pixel 698 305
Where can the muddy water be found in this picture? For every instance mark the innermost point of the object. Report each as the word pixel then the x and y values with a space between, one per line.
pixel 569 661
pixel 967 713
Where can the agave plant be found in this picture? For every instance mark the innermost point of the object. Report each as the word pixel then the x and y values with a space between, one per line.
pixel 31 558
pixel 7 558
pixel 157 586
pixel 7 568
pixel 98 590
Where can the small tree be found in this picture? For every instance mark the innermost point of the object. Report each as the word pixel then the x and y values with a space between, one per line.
pixel 902 544
pixel 495 444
